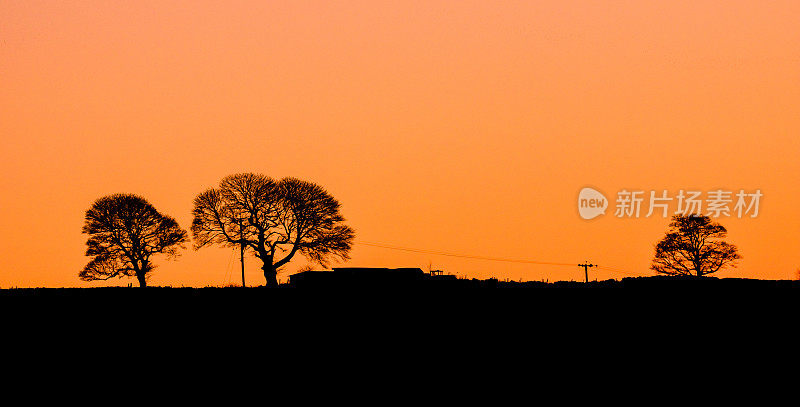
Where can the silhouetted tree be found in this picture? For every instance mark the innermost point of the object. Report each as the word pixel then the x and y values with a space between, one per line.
pixel 693 246
pixel 125 231
pixel 275 219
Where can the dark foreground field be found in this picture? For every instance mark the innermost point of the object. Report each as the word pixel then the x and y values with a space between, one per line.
pixel 632 312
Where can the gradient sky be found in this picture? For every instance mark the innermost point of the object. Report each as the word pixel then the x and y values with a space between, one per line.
pixel 463 126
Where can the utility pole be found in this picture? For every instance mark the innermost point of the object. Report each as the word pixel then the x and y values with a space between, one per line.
pixel 241 247
pixel 586 266
pixel 241 258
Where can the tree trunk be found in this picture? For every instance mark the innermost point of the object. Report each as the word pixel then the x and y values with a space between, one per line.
pixel 270 274
pixel 140 272
pixel 142 281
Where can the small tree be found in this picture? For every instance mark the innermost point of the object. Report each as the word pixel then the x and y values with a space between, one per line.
pixel 125 231
pixel 693 246
pixel 275 219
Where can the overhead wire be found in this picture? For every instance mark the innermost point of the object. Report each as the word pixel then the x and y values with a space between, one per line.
pixel 615 270
pixel 465 256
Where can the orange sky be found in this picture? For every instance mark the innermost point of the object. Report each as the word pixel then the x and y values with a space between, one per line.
pixel 466 127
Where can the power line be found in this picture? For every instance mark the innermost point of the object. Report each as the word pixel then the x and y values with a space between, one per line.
pixel 620 271
pixel 464 256
pixel 501 259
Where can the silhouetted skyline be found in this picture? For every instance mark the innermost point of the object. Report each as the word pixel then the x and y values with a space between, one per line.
pixel 442 127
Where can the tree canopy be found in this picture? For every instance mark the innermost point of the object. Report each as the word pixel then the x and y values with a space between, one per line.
pixel 694 246
pixel 125 231
pixel 273 219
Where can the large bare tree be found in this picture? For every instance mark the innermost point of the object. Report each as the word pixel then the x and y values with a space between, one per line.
pixel 694 246
pixel 273 219
pixel 125 231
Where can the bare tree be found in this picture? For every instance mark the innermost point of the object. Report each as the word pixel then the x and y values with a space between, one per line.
pixel 275 219
pixel 693 246
pixel 125 231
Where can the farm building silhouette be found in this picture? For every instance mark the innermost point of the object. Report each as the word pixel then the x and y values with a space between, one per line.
pixel 343 277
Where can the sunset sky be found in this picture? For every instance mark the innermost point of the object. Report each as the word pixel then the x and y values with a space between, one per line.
pixel 459 126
